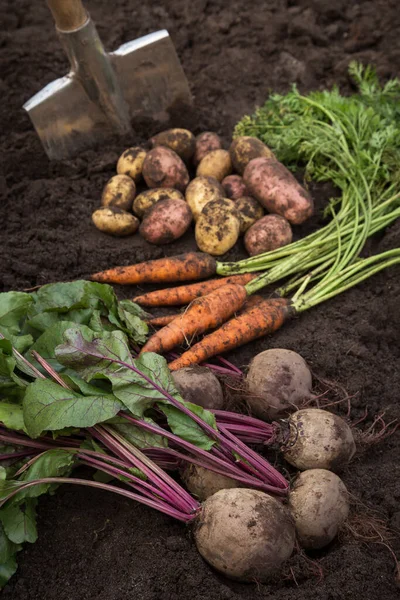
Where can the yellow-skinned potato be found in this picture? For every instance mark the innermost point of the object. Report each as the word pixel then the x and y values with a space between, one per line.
pixel 115 221
pixel 206 142
pixel 243 149
pixel 216 163
pixel 249 211
pixel 149 198
pixel 218 227
pixel 131 163
pixel 181 141
pixel 119 191
pixel 200 191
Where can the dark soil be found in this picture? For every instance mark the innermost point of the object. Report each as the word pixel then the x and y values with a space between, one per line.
pixel 92 545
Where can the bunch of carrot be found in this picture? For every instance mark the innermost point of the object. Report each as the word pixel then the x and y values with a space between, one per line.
pixel 256 317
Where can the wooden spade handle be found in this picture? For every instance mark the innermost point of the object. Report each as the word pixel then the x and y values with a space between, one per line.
pixel 68 14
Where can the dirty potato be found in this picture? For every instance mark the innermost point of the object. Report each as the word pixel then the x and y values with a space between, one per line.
pixel 119 191
pixel 131 163
pixel 234 187
pixel 215 164
pixel 218 227
pixel 249 211
pixel 163 168
pixel 274 186
pixel 115 221
pixel 243 149
pixel 149 198
pixel 166 221
pixel 269 233
pixel 206 142
pixel 200 191
pixel 181 141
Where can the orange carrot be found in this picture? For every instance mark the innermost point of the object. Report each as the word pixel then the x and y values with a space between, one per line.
pixel 264 318
pixel 185 294
pixel 166 319
pixel 162 321
pixel 204 313
pixel 183 267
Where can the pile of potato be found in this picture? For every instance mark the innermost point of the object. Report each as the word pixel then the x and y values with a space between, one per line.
pixel 225 198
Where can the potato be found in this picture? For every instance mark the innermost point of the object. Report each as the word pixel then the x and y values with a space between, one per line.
pixel 200 386
pixel 319 440
pixel 245 534
pixel 243 149
pixel 166 221
pixel 119 191
pixel 203 483
pixel 131 163
pixel 269 233
pixel 218 227
pixel 319 504
pixel 234 187
pixel 270 182
pixel 149 198
pixel 216 163
pixel 249 211
pixel 200 191
pixel 115 221
pixel 277 382
pixel 205 142
pixel 181 141
pixel 164 168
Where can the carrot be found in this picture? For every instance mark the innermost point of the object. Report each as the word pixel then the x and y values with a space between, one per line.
pixel 183 267
pixel 266 317
pixel 185 294
pixel 166 319
pixel 207 312
pixel 162 321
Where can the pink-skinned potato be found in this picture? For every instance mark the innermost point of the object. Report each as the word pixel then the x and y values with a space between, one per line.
pixel 268 233
pixel 163 168
pixel 273 185
pixel 205 142
pixel 166 221
pixel 234 187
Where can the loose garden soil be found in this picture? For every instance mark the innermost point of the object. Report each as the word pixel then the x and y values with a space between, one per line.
pixel 91 544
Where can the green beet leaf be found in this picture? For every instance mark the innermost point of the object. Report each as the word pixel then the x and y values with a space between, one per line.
pixel 11 385
pixel 85 303
pixel 48 406
pixel 7 547
pixel 138 436
pixel 97 356
pixel 46 343
pixel 13 309
pixel 7 570
pixel 12 416
pixel 19 522
pixel 183 426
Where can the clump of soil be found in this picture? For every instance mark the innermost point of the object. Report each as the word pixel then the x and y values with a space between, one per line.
pixel 92 545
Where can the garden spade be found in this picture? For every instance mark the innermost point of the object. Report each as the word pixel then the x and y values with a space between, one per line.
pixel 104 92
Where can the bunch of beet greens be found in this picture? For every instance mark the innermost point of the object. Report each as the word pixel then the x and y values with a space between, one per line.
pixel 72 394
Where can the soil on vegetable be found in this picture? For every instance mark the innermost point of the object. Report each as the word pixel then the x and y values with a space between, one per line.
pixel 91 544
